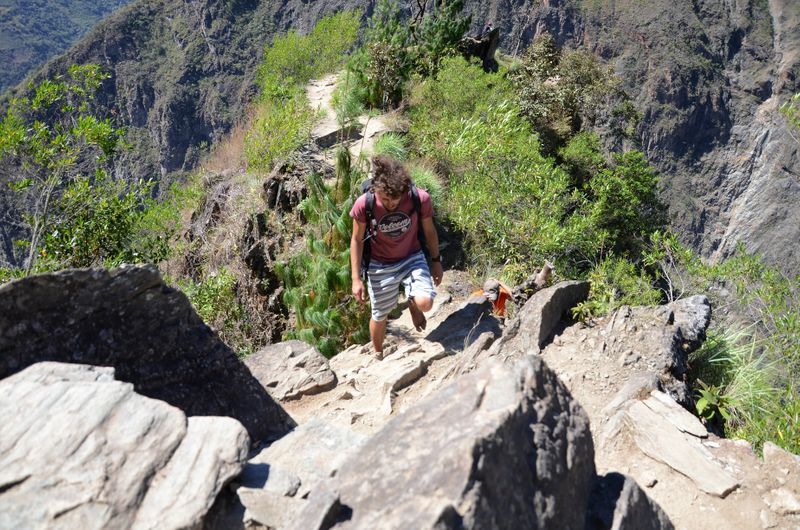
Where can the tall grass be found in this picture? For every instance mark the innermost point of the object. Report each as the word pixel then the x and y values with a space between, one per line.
pixel 748 384
pixel 393 145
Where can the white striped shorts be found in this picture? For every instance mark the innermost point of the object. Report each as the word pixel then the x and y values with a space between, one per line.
pixel 385 279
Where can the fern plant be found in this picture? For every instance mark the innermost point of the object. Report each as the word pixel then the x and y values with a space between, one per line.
pixel 318 281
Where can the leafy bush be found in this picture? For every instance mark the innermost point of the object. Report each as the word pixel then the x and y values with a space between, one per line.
pixel 625 206
pixel 394 49
pixel 461 90
pixel 214 297
pixel 427 180
pixel 438 34
pixel 347 101
pixel 582 159
pixel 96 226
pixel 558 91
pixel 293 60
pixel 51 139
pixel 616 282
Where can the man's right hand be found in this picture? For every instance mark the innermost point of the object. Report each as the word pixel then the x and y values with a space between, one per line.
pixel 358 290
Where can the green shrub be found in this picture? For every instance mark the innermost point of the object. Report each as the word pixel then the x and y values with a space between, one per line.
pixel 560 91
pixel 461 90
pixel 97 226
pixel 293 60
pixel 439 34
pixel 392 144
pixel 394 50
pixel 582 159
pixel 214 297
pixel 515 206
pixel 347 101
pixel 50 139
pixel 616 282
pixel 427 180
pixel 283 118
pixel 624 203
pixel 279 129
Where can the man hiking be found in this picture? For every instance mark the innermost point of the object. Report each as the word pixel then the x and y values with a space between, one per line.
pixel 395 252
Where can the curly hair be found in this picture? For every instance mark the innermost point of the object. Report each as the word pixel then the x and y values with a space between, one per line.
pixel 390 176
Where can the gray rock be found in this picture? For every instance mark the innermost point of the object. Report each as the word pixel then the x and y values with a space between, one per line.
pixel 290 370
pixel 618 503
pixel 212 453
pixel 130 319
pixel 268 509
pixel 653 333
pixel 463 327
pixel 781 459
pixel 692 316
pixel 658 438
pixel 312 453
pixel 472 356
pixel 542 313
pixel 274 483
pixel 538 319
pixel 638 386
pixel 80 450
pixel 498 448
pixel 678 416
pixel 783 501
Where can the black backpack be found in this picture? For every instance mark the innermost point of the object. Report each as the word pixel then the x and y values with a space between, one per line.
pixel 372 223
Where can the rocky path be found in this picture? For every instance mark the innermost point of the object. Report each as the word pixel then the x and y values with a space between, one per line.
pixel 700 480
pixel 327 132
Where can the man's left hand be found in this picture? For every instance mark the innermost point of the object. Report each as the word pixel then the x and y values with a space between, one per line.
pixel 436 272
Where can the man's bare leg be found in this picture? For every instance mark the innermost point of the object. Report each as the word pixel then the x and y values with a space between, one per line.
pixel 416 306
pixel 377 330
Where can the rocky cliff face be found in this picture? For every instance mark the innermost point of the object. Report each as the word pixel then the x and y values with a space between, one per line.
pixel 707 77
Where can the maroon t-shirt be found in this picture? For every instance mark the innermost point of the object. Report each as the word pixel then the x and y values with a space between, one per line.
pixel 397 230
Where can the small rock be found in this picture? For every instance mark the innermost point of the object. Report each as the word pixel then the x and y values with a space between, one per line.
pixel 782 501
pixel 767 519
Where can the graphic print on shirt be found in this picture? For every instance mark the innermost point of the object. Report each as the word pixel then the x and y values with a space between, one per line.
pixel 394 224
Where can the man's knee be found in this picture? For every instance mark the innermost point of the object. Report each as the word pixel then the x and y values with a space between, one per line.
pixel 424 303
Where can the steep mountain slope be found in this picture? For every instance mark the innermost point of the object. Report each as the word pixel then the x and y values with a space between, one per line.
pixel 708 79
pixel 34 31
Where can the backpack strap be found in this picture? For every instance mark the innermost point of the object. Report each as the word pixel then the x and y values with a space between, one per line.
pixel 418 209
pixel 369 233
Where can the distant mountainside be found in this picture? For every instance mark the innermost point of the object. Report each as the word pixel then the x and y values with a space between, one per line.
pixel 707 77
pixel 34 31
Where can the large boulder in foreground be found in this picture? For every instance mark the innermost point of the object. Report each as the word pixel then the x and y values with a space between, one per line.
pixel 81 450
pixel 502 447
pixel 129 319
